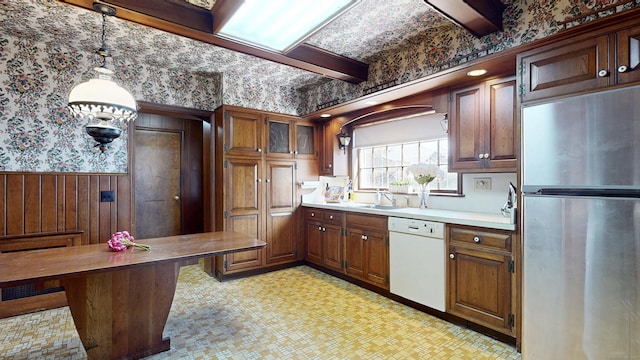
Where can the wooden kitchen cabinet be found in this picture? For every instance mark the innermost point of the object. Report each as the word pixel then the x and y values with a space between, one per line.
pixel 482 127
pixel 288 137
pixel 242 133
pixel 367 249
pixel 255 194
pixel 332 160
pixel 594 60
pixel 324 238
pixel 481 279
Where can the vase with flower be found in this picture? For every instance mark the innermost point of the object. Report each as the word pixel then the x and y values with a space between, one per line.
pixel 424 174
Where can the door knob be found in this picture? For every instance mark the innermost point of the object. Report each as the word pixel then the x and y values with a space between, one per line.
pixel 176 198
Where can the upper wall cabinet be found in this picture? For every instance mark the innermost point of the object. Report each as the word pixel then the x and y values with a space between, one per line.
pixel 333 161
pixel 242 133
pixel 288 138
pixel 482 131
pixel 570 66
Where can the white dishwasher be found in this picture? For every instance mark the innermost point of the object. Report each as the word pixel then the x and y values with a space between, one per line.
pixel 417 261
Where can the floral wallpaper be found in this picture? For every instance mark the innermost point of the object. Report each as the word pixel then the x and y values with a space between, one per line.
pixel 443 46
pixel 47 47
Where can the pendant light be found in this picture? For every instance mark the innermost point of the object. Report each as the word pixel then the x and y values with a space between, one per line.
pixel 101 102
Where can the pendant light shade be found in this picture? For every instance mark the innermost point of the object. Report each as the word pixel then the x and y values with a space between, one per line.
pixel 103 104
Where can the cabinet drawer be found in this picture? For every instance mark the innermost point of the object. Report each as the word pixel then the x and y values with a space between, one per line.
pixel 479 237
pixel 332 217
pixel 367 221
pixel 313 214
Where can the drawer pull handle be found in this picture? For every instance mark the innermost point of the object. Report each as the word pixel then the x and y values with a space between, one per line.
pixel 476 239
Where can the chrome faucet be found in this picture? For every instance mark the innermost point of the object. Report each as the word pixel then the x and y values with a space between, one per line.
pixel 386 194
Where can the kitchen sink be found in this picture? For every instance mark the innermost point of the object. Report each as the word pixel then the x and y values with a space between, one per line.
pixel 384 207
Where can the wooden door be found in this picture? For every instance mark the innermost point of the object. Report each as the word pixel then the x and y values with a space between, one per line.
pixel 500 124
pixel 480 287
pixel 332 247
pixel 377 259
pixel 281 230
pixel 243 133
pixel 565 67
pixel 354 253
pixel 628 49
pixel 157 183
pixel 314 234
pixel 243 199
pixel 306 142
pixel 280 137
pixel 466 129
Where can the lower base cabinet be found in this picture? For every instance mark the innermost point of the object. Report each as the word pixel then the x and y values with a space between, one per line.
pixel 354 244
pixel 481 277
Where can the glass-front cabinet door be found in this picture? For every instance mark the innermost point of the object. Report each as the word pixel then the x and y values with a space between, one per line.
pixel 287 137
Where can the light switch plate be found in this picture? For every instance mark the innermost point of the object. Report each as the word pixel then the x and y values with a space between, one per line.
pixel 482 183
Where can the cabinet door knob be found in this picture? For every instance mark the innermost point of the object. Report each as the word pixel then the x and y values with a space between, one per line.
pixel 603 73
pixel 330 166
pixel 622 68
pixel 313 214
pixel 452 256
pixel 481 156
pixel 324 229
pixel 295 152
pixel 476 239
pixel 291 152
pixel 486 155
pixel 259 150
pixel 268 180
pixel 330 217
pixel 319 228
pixel 259 180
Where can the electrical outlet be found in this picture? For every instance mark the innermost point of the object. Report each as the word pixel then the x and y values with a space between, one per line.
pixel 482 183
pixel 107 196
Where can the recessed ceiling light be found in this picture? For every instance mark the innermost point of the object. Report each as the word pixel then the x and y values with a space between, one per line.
pixel 325 115
pixel 478 72
pixel 280 24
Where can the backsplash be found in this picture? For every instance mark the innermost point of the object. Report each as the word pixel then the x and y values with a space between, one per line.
pixel 479 201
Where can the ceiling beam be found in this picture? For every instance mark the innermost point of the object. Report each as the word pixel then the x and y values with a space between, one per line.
pixel 480 17
pixel 198 24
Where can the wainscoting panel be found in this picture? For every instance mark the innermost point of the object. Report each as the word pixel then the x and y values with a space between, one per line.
pixel 36 203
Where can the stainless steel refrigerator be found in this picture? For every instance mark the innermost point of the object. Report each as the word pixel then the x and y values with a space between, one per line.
pixel 581 227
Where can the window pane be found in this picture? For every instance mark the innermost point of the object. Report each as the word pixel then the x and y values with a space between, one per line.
pixel 394 155
pixel 410 154
pixel 380 156
pixel 395 174
pixel 366 178
pixel 444 151
pixel 429 152
pixel 380 178
pixel 366 157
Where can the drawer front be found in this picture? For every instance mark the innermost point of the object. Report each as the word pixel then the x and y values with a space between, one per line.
pixel 313 214
pixel 479 237
pixel 365 221
pixel 332 217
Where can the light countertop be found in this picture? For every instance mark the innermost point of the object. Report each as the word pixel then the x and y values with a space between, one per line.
pixel 492 221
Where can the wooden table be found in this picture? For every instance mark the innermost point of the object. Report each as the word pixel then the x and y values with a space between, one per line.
pixel 120 301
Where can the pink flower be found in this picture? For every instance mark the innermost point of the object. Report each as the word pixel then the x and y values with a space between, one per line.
pixel 122 240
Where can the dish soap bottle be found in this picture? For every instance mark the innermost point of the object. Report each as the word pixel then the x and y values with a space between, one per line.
pixel 350 194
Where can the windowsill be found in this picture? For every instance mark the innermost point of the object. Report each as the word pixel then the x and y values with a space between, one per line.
pixel 453 195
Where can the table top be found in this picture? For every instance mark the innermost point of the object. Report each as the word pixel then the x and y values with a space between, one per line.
pixel 56 263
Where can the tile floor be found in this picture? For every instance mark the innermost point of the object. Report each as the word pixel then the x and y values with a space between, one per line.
pixel 297 313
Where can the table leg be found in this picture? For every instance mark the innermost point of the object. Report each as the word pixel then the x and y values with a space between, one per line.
pixel 121 314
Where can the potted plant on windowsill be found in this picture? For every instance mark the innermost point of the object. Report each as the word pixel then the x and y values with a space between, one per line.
pixel 399 187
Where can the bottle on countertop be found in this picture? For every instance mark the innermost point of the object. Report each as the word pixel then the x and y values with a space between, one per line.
pixel 350 193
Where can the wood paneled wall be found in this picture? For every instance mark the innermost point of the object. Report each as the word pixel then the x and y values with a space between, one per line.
pixel 32 203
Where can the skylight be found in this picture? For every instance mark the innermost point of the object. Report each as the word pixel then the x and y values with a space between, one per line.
pixel 280 24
